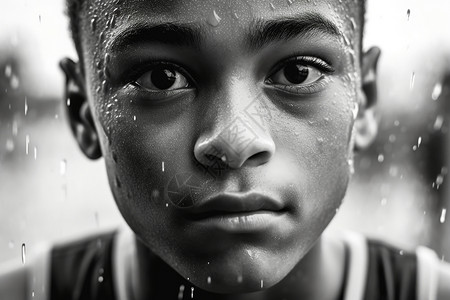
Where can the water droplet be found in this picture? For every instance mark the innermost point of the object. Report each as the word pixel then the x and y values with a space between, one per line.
pixel 192 292
pixel 262 283
pixel 419 141
pixel 62 167
pixel 26 105
pixel 437 90
pixel 438 123
pixel 162 166
pixel 208 280
pixel 27 143
pixel 117 183
pixel 443 215
pixel 412 81
pixel 100 278
pixel 94 23
pixel 68 102
pixel 9 145
pixel 392 138
pixel 351 165
pixel 134 118
pixel 35 153
pixel 214 19
pixel 408 13
pixel 8 71
pixel 32 294
pixel 14 82
pixel 240 279
pixel 24 253
pixel 181 292
pixel 380 158
pixel 401 252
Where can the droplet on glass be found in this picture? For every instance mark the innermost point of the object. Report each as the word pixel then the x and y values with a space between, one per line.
pixel 437 90
pixel 443 215
pixel 214 19
pixel 100 279
pixel 24 253
pixel 208 280
pixel 162 166
pixel 14 82
pixel 408 13
pixel 380 158
pixel 9 145
pixel 419 141
pixel 412 81
pixel 68 102
pixel 262 283
pixel 62 167
pixel 240 279
pixel 26 106
pixel 35 153
pixel 8 71
pixel 27 143
pixel 134 118
pixel 181 292
pixel 192 292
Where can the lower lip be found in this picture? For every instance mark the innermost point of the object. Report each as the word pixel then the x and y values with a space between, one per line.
pixel 243 222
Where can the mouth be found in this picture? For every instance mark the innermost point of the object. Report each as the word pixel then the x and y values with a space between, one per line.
pixel 237 212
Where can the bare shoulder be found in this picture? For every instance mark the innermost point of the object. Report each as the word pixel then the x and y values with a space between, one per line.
pixel 13 281
pixel 444 281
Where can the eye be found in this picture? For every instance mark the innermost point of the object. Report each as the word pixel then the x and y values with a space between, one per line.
pixel 300 75
pixel 295 73
pixel 163 78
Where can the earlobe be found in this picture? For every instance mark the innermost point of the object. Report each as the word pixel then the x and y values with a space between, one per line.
pixel 366 125
pixel 78 110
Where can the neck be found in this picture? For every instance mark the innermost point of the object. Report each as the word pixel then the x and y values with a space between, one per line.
pixel 323 266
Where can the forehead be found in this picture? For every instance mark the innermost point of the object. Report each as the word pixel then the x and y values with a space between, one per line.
pixel 106 19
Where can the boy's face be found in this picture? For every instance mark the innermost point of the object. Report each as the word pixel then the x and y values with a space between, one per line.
pixel 226 127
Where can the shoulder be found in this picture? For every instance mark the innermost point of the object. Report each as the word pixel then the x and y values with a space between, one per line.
pixel 444 281
pixel 434 275
pixel 57 269
pixel 13 281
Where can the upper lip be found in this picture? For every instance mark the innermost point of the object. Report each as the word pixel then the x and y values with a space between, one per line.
pixel 235 203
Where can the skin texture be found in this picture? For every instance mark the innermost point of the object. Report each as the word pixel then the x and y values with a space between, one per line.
pixel 296 150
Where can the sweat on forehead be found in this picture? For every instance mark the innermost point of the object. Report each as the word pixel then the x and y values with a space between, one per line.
pixel 75 13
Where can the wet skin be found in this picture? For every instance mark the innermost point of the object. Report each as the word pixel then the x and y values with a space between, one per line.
pixel 240 114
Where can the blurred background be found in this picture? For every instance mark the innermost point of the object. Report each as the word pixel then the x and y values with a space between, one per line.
pixel 49 190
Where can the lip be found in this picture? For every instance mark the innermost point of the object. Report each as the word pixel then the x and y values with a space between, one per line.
pixel 238 212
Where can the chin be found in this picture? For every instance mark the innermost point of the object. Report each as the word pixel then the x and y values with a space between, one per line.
pixel 241 274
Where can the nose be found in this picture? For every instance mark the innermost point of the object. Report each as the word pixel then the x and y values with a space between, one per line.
pixel 238 143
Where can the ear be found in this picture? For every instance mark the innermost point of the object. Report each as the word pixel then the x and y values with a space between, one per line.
pixel 366 125
pixel 78 110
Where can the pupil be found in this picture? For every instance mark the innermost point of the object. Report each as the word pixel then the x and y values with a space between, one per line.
pixel 163 78
pixel 296 73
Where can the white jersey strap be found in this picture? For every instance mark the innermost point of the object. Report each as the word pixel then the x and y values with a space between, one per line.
pixel 427 274
pixel 124 248
pixel 357 266
pixel 38 267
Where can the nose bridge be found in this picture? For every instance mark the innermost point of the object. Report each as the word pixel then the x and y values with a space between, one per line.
pixel 235 136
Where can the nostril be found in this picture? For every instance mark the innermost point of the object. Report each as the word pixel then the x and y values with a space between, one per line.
pixel 260 157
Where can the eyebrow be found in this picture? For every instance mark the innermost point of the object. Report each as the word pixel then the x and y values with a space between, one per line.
pixel 259 34
pixel 166 33
pixel 264 32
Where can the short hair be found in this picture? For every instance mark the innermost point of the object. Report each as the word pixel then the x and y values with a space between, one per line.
pixel 74 9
